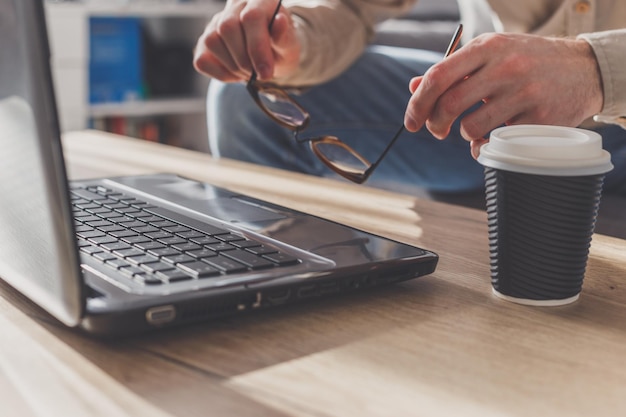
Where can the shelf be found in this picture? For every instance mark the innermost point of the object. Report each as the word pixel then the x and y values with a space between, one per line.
pixel 144 8
pixel 153 107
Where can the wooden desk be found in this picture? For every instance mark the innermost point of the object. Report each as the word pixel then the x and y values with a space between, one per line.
pixel 441 345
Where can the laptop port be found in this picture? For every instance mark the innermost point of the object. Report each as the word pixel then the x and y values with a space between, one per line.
pixel 278 296
pixel 329 287
pixel 307 291
pixel 161 315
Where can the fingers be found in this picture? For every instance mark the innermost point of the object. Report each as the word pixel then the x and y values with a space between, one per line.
pixel 435 82
pixel 494 112
pixel 475 146
pixel 255 42
pixel 212 56
pixel 414 83
pixel 238 41
pixel 516 79
pixel 450 88
pixel 229 41
pixel 285 45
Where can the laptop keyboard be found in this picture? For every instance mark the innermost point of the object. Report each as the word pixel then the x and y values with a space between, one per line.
pixel 154 246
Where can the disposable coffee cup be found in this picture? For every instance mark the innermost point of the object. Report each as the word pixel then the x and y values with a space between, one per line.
pixel 543 189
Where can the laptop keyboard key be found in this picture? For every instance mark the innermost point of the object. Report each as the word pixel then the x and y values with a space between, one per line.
pixel 204 240
pixel 199 269
pixel 91 249
pixel 187 246
pixel 220 247
pixel 225 264
pixel 281 259
pixel 166 251
pixel 117 263
pixel 124 253
pixel 115 246
pixel 248 259
pixel 122 233
pixel 178 259
pixel 173 240
pixel 101 240
pixel 147 279
pixel 176 229
pixel 150 245
pixel 135 239
pixel 90 234
pixel 191 234
pixel 132 270
pixel 261 249
pixel 244 244
pixel 87 195
pixel 155 267
pixel 202 253
pixel 173 275
pixel 230 237
pixel 104 256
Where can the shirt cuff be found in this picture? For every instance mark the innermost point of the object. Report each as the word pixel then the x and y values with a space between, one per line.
pixel 610 49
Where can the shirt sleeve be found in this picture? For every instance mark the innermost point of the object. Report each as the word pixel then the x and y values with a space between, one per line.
pixel 333 33
pixel 610 50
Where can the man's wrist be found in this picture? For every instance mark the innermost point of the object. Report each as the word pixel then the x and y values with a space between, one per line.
pixel 590 67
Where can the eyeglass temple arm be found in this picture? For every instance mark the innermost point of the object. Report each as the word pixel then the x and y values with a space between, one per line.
pixel 454 42
pixel 372 167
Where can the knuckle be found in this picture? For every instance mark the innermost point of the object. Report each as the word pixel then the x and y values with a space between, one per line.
pixel 449 103
pixel 472 128
pixel 541 115
pixel 433 77
pixel 515 64
pixel 531 92
pixel 228 26
pixel 251 16
pixel 212 40
pixel 492 40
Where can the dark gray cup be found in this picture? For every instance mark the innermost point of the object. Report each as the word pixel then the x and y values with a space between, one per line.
pixel 543 189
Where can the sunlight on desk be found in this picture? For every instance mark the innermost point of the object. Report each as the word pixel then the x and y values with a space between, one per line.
pixel 441 345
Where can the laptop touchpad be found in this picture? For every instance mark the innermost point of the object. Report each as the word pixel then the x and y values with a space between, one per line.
pixel 232 209
pixel 204 198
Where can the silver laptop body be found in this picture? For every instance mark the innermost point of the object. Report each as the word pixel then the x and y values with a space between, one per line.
pixel 63 244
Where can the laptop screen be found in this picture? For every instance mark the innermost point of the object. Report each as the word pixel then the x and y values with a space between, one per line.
pixel 37 248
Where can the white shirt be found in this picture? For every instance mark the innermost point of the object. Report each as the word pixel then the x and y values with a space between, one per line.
pixel 333 34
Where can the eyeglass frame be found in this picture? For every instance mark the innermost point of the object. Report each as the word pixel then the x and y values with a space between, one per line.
pixel 255 87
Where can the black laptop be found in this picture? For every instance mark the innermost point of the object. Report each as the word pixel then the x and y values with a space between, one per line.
pixel 123 255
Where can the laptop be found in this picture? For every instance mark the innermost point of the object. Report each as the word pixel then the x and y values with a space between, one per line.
pixel 118 256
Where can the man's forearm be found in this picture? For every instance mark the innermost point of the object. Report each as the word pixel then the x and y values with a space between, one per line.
pixel 333 34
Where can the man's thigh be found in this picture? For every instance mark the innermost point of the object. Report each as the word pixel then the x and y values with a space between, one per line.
pixel 364 107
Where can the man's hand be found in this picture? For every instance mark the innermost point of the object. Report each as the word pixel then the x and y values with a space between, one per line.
pixel 237 40
pixel 519 79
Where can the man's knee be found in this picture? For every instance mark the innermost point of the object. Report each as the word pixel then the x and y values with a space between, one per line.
pixel 232 118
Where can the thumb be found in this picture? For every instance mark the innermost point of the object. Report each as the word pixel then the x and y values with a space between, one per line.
pixel 285 45
pixel 283 33
pixel 475 146
pixel 414 83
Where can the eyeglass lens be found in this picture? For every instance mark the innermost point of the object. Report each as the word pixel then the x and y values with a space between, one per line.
pixel 282 107
pixel 340 155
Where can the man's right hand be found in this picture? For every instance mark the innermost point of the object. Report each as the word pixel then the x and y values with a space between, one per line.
pixel 237 40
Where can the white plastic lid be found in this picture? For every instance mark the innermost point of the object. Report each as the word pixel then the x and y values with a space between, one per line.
pixel 546 150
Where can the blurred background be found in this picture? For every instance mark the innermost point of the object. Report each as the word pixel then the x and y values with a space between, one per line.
pixel 125 66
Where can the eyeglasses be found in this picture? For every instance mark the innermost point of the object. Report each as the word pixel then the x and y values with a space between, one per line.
pixel 335 154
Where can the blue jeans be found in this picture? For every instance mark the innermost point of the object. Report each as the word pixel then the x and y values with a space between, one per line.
pixel 364 107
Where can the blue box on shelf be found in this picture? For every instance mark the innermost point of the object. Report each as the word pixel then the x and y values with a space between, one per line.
pixel 115 59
